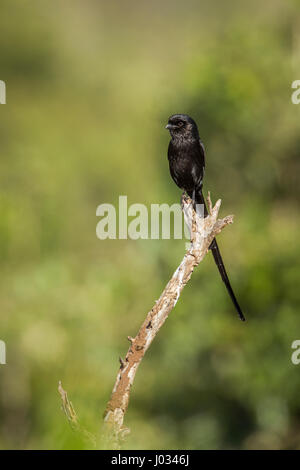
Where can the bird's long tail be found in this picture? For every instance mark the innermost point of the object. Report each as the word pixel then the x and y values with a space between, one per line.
pixel 199 199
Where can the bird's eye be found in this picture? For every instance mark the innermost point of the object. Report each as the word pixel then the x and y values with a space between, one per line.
pixel 180 123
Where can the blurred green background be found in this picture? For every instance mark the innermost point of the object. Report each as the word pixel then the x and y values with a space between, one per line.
pixel 90 86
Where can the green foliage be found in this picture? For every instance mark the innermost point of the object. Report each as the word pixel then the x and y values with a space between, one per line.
pixel 90 86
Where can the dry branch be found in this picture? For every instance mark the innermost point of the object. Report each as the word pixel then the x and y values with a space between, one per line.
pixel 203 231
pixel 71 415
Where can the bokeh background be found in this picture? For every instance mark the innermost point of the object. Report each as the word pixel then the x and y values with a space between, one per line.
pixel 90 85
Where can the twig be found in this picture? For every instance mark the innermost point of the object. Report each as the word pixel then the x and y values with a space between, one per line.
pixel 71 415
pixel 203 231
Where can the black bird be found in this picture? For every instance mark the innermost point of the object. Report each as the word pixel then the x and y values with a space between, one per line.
pixel 186 157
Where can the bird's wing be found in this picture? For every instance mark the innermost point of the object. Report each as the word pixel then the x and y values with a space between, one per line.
pixel 199 168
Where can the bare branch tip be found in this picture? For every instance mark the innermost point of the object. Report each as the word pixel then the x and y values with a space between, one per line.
pixel 60 389
pixel 218 204
pixel 210 205
pixel 229 219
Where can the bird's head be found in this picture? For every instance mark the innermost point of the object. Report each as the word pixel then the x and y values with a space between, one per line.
pixel 182 126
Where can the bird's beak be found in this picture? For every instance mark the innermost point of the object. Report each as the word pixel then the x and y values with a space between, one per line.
pixel 168 126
